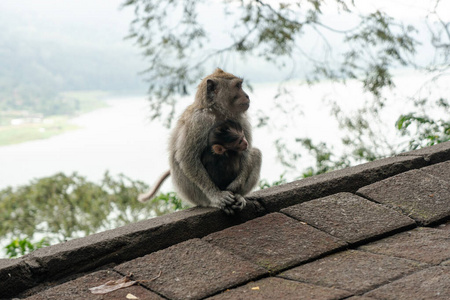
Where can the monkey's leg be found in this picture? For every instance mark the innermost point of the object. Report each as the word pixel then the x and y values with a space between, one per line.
pixel 189 191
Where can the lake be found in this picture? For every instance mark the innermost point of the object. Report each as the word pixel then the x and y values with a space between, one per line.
pixel 119 138
pixel 122 139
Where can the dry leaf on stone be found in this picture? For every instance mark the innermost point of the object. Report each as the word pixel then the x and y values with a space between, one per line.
pixel 112 285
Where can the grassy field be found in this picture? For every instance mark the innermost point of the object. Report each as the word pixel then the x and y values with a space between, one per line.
pixel 50 126
pixel 27 132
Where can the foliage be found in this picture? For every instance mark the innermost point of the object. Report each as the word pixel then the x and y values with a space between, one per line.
pixel 324 159
pixel 264 184
pixel 63 207
pixel 268 31
pixel 19 247
pixel 178 46
pixel 428 131
pixel 169 202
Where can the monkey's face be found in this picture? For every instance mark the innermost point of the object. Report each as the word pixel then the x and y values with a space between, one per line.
pixel 239 101
pixel 239 145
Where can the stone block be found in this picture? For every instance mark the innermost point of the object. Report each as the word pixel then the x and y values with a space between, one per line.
pixel 15 275
pixel 79 289
pixel 349 217
pixel 191 270
pixel 275 241
pixel 441 171
pixel 353 271
pixel 423 244
pixel 432 283
pixel 433 154
pixel 278 288
pixel 444 226
pixel 119 244
pixel 346 180
pixel 416 194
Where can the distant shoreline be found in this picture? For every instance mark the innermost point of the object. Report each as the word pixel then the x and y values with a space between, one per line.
pixel 21 129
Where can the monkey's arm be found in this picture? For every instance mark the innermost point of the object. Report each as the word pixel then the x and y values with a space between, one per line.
pixel 249 175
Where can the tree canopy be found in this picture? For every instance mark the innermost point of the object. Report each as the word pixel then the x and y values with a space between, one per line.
pixel 63 206
pixel 182 39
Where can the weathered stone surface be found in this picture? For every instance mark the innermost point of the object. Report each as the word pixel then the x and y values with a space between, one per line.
pixel 445 226
pixel 191 270
pixel 433 154
pixel 352 270
pixel 15 275
pixel 428 245
pixel 441 171
pixel 79 289
pixel 432 283
pixel 349 217
pixel 346 180
pixel 275 241
pixel 277 288
pixel 417 194
pixel 119 245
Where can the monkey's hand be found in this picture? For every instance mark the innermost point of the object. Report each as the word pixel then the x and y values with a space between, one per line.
pixel 240 202
pixel 224 200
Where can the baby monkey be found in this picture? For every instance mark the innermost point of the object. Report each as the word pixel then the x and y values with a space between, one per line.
pixel 222 157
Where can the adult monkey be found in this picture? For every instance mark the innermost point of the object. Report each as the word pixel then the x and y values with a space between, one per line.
pixel 219 97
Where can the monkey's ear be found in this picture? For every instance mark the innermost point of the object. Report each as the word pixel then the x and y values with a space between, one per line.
pixel 218 149
pixel 210 85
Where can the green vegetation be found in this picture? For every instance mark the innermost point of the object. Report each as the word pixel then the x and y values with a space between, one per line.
pixel 63 207
pixel 264 184
pixel 27 132
pixel 19 247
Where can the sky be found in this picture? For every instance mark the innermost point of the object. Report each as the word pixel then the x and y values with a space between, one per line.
pixel 103 22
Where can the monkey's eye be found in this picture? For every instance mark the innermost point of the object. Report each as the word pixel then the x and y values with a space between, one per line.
pixel 240 141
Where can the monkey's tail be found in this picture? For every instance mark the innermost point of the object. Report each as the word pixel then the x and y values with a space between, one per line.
pixel 149 195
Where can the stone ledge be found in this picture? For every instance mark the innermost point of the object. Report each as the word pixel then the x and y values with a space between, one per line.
pixel 433 154
pixel 15 275
pixel 346 180
pixel 138 239
pixel 115 246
